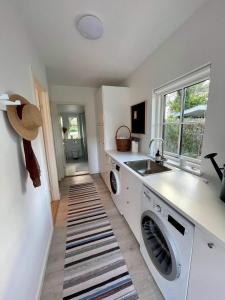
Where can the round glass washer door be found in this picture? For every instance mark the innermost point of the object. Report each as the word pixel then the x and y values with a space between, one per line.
pixel 159 247
pixel 114 182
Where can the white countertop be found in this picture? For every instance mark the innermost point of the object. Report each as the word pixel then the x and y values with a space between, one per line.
pixel 187 193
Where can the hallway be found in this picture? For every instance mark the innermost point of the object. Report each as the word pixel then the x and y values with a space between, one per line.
pixel 76 168
pixel 53 283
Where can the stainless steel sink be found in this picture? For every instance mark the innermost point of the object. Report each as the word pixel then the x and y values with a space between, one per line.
pixel 146 167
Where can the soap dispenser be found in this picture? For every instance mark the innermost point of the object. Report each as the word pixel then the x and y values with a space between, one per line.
pixel 158 157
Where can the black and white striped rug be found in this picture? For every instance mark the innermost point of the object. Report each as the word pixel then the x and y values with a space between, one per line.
pixel 94 266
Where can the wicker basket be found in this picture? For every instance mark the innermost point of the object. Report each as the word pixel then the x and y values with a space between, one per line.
pixel 123 145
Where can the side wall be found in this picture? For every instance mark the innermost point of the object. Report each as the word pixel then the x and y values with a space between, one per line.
pixel 81 96
pixel 198 42
pixel 25 215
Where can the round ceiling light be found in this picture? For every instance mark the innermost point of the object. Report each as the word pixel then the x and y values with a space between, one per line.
pixel 90 27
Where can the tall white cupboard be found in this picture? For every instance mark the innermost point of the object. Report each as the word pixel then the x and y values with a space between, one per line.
pixel 113 110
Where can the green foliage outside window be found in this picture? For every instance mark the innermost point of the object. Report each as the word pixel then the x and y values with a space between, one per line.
pixel 73 132
pixel 183 130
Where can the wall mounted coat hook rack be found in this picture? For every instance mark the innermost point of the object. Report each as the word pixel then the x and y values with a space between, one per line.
pixel 4 101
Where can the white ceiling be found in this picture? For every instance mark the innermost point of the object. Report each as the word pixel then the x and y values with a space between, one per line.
pixel 132 30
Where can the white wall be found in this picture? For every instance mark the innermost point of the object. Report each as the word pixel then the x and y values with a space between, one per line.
pixel 81 96
pixel 197 42
pixel 25 216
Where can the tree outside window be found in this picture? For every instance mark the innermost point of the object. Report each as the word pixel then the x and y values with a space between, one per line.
pixel 74 130
pixel 184 113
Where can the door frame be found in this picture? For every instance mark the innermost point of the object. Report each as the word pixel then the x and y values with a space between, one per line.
pixel 41 96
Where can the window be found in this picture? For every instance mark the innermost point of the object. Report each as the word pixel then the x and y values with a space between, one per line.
pixel 74 131
pixel 181 110
pixel 184 120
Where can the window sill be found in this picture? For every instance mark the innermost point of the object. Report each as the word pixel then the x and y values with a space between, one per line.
pixel 186 168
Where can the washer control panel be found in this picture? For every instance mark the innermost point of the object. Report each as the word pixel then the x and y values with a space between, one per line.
pixel 157 208
pixel 170 215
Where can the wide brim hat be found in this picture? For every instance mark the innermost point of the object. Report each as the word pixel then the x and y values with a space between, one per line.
pixel 26 126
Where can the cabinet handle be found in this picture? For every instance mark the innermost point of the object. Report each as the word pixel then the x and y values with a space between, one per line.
pixel 127 188
pixel 147 196
pixel 211 245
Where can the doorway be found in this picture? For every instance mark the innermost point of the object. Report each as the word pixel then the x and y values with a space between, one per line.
pixel 42 100
pixel 73 124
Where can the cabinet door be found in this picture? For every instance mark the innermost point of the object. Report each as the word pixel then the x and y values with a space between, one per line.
pixel 101 158
pixel 104 165
pixel 99 107
pixel 131 201
pixel 116 112
pixel 207 275
pixel 100 134
pixel 107 169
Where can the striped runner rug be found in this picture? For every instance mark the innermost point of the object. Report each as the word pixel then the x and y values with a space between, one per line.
pixel 94 266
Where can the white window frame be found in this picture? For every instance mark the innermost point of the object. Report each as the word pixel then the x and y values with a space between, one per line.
pixel 201 74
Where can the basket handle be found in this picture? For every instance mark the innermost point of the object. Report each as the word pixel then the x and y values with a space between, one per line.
pixel 122 127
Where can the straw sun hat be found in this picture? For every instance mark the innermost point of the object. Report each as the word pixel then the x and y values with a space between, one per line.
pixel 27 126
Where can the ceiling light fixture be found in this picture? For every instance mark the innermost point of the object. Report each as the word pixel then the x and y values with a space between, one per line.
pixel 90 27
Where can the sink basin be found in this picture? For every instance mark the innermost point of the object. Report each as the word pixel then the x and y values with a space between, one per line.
pixel 146 167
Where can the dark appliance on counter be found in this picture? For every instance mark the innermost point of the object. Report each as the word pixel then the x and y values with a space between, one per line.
pixel 138 118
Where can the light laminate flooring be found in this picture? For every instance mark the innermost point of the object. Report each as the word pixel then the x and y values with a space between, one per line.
pixel 76 168
pixel 53 282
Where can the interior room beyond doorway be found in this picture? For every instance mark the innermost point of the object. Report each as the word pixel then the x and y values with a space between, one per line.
pixel 74 135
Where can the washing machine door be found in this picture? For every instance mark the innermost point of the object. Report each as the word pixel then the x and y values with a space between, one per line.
pixel 114 182
pixel 159 247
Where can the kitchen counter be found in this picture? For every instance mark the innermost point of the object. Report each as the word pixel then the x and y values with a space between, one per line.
pixel 186 193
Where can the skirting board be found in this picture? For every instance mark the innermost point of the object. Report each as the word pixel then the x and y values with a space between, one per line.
pixel 42 276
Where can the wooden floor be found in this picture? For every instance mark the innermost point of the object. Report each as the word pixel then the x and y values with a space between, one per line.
pixel 76 168
pixel 142 279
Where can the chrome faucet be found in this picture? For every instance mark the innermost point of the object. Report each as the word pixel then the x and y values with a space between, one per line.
pixel 162 141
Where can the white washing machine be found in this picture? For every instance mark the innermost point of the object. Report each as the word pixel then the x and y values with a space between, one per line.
pixel 115 186
pixel 166 245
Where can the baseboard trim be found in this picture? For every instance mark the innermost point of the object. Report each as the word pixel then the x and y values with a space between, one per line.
pixel 44 265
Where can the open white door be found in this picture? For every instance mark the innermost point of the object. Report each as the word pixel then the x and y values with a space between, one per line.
pixel 43 103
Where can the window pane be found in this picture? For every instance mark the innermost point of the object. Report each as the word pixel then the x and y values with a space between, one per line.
pixel 196 98
pixel 172 106
pixel 171 136
pixel 73 121
pixel 192 138
pixel 73 128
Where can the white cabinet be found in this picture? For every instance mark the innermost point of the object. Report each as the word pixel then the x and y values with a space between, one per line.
pixel 116 112
pixel 107 169
pixel 131 193
pixel 99 107
pixel 207 275
pixel 113 110
pixel 104 165
pixel 100 134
